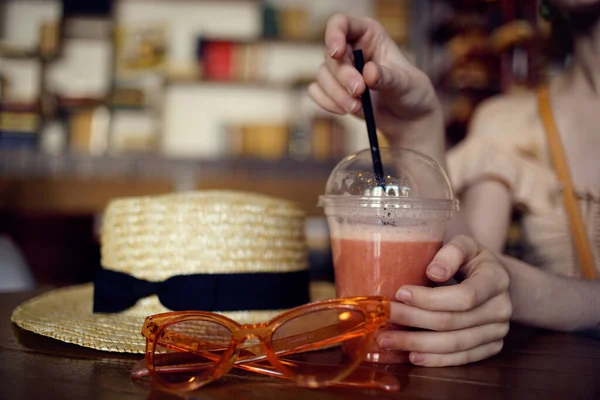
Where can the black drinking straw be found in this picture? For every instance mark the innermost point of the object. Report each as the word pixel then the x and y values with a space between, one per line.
pixel 359 63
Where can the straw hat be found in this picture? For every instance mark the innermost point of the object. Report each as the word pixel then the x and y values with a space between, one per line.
pixel 236 241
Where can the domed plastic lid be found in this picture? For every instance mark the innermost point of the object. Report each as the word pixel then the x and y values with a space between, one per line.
pixel 411 181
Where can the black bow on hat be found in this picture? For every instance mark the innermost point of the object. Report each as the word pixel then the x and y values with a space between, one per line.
pixel 117 291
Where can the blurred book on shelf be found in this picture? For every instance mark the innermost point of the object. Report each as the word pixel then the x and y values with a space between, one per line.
pixel 10 140
pixel 217 59
pixel 327 139
pixel 140 50
pixel 88 131
pixel 16 106
pixel 80 131
pixel 49 39
pixel 270 23
pixel 183 72
pixel 19 125
pixel 294 23
pixel 246 62
pixel 291 23
pixel 68 104
pixel 136 143
pixel 128 98
pixel 265 141
pixel 299 146
pixel 322 139
pixel 19 121
pixel 225 60
pixel 12 51
pixel 134 132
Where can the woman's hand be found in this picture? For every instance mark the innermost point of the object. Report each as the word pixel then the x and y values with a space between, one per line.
pixel 406 108
pixel 467 322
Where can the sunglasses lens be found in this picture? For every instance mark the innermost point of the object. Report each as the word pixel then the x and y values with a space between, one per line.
pixel 187 352
pixel 321 346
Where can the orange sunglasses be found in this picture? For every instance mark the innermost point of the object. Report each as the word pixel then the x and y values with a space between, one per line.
pixel 315 345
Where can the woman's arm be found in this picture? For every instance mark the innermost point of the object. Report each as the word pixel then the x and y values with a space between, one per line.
pixel 485 198
pixel 553 302
pixel 485 214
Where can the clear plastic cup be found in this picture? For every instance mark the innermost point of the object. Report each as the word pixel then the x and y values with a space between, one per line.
pixel 384 234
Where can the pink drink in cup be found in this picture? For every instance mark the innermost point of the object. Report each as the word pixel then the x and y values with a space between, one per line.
pixel 384 236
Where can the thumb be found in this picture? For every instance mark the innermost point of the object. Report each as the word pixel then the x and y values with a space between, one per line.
pixel 403 87
pixel 386 80
pixel 451 257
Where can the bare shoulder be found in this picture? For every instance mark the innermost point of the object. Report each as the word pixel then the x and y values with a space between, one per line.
pixel 506 115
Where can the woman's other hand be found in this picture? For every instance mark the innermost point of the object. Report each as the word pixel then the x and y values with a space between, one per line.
pixel 466 322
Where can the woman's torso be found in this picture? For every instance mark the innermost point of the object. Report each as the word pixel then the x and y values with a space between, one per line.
pixel 514 127
pixel 548 242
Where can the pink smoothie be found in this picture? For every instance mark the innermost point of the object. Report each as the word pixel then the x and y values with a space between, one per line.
pixel 380 267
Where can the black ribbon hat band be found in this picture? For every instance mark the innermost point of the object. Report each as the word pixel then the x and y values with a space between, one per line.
pixel 117 291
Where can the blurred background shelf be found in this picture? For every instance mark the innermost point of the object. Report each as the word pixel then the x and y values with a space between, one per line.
pixel 262 84
pixel 77 184
pixel 109 98
pixel 144 97
pixel 175 79
pixel 142 84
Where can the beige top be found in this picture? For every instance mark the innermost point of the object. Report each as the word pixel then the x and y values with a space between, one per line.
pixel 519 158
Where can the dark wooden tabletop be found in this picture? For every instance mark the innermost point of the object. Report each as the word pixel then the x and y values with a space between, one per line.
pixel 533 364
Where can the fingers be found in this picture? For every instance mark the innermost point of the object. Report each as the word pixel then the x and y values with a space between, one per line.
pixel 386 71
pixel 378 77
pixel 443 342
pixel 498 309
pixel 323 100
pixel 460 250
pixel 459 358
pixel 485 279
pixel 346 74
pixel 486 282
pixel 342 94
pixel 340 30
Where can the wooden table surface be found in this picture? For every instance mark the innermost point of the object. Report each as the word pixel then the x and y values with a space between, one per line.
pixel 533 364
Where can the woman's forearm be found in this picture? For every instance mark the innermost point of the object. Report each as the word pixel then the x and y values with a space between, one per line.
pixel 549 301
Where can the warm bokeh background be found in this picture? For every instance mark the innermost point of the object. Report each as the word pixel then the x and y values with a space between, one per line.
pixel 101 99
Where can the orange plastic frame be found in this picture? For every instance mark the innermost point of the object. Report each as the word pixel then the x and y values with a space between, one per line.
pixel 375 311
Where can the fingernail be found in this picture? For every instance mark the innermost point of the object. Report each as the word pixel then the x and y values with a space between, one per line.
pixel 416 358
pixel 404 296
pixel 354 88
pixel 354 106
pixel 333 52
pixel 386 343
pixel 437 271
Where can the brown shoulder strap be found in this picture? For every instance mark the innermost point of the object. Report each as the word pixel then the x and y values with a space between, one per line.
pixel 559 161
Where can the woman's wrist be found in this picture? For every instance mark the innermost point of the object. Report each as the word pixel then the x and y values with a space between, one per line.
pixel 425 135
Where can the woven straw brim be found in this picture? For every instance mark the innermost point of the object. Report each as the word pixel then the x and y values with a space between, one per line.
pixel 66 314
